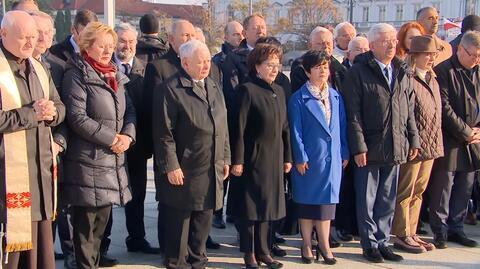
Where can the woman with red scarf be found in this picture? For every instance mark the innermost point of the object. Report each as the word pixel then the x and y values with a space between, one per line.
pixel 101 121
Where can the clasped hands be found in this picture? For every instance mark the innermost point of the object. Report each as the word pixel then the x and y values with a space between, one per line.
pixel 474 136
pixel 45 109
pixel 176 177
pixel 120 143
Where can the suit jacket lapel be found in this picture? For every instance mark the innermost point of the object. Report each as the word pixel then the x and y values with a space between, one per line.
pixel 314 108
pixel 188 83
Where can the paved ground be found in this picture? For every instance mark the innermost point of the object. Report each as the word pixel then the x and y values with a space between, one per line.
pixel 228 256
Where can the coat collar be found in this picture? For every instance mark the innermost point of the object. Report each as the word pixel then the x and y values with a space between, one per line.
pixel 187 82
pixel 312 106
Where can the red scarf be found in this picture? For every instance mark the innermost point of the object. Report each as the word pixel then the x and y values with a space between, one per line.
pixel 108 71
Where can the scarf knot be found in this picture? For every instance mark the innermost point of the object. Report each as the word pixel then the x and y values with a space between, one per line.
pixel 107 72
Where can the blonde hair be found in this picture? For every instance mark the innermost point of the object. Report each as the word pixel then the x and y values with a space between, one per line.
pixel 92 31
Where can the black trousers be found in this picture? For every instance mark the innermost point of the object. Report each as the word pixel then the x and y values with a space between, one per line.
pixel 105 244
pixel 345 216
pixel 186 234
pixel 65 229
pixel 449 195
pixel 255 237
pixel 134 210
pixel 41 255
pixel 88 227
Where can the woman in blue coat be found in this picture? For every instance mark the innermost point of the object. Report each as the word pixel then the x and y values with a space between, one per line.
pixel 319 143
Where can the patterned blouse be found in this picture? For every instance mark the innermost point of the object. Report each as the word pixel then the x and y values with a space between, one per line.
pixel 322 96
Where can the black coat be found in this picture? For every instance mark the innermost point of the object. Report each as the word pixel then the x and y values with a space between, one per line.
pixel 151 48
pixel 298 77
pixel 460 100
pixel 190 132
pixel 381 121
pixel 63 50
pixel 220 57
pixel 157 72
pixel 135 88
pixel 262 145
pixel 94 175
pixel 455 43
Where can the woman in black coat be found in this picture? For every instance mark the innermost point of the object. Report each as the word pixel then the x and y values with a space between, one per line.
pixel 261 154
pixel 101 121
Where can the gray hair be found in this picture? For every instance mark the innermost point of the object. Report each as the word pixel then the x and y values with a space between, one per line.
pixel 378 29
pixel 317 30
pixel 10 19
pixel 125 26
pixel 41 14
pixel 471 39
pixel 188 49
pixel 354 40
pixel 424 9
pixel 174 25
pixel 340 26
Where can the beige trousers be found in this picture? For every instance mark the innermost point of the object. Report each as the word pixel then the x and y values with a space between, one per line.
pixel 412 182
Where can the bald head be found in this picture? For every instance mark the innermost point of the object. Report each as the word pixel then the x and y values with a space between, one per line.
pixel 19 33
pixel 25 5
pixel 234 33
pixel 182 31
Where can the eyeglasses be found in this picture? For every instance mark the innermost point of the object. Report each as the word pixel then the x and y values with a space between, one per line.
pixel 271 66
pixel 476 57
pixel 385 43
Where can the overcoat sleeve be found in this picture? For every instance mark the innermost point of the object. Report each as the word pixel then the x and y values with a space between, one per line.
pixel 451 122
pixel 353 97
pixel 130 118
pixel 343 130
pixel 238 156
pixel 18 119
pixel 59 106
pixel 296 130
pixel 165 114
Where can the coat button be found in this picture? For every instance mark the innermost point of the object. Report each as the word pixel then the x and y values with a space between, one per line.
pixel 329 139
pixel 328 159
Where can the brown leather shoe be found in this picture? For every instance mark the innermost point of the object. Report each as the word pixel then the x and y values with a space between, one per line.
pixel 470 219
pixel 408 244
pixel 428 246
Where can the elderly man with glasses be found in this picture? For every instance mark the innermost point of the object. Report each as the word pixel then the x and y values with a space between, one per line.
pixel 453 175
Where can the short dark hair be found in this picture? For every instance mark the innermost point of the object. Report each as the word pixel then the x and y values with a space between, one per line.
pixel 423 9
pixel 260 54
pixel 313 58
pixel 246 21
pixel 84 17
pixel 268 40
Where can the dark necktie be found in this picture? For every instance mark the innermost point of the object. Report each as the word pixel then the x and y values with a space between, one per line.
pixel 428 77
pixel 201 86
pixel 387 74
pixel 126 68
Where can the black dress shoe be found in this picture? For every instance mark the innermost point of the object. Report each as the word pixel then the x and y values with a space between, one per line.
pixel 279 240
pixel 388 254
pixel 212 244
pixel 277 251
pixel 373 255
pixel 326 260
pixel 344 236
pixel 58 256
pixel 69 262
pixel 269 262
pixel 141 246
pixel 440 241
pixel 334 243
pixel 218 222
pixel 461 238
pixel 106 261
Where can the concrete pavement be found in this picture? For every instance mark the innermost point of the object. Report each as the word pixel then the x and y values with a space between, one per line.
pixel 228 256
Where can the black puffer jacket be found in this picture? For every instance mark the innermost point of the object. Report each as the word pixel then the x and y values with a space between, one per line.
pixel 381 121
pixel 151 48
pixel 94 175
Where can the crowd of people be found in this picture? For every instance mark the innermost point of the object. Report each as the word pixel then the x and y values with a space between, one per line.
pixel 372 135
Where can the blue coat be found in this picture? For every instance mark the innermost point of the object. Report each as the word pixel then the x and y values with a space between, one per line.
pixel 323 147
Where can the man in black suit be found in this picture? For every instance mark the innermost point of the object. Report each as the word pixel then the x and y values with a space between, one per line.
pixel 233 36
pixel 137 157
pixel 192 155
pixel 64 50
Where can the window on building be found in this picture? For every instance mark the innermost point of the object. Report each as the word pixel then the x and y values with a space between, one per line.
pixel 365 14
pixel 416 8
pixel 276 15
pixel 399 13
pixel 381 13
